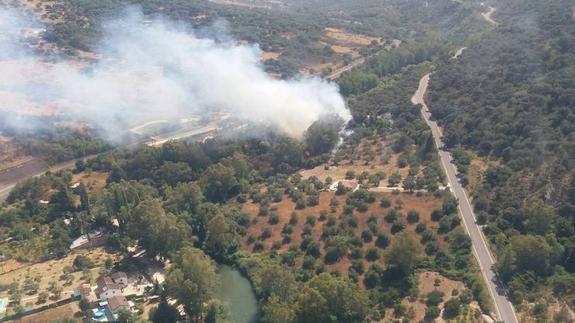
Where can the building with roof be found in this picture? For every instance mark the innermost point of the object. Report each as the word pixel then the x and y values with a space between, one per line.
pixel 116 304
pixel 120 278
pixel 107 288
pixel 84 292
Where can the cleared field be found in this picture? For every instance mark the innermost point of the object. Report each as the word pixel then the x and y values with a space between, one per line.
pixel 352 39
pixel 270 55
pixel 94 181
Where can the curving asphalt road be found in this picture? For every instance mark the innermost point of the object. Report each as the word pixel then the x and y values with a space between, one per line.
pixel 503 307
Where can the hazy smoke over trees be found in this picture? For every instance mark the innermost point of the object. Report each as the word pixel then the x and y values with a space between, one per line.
pixel 158 70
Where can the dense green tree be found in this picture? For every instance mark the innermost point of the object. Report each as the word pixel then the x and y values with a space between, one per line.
pixel 219 183
pixel 276 311
pixel 322 136
pixel 221 239
pixel 403 252
pixel 191 280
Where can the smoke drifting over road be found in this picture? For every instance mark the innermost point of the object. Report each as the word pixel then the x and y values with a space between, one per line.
pixel 159 70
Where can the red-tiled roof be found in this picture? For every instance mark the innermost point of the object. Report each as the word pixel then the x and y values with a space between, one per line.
pixel 114 303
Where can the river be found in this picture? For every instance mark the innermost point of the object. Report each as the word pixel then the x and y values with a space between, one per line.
pixel 236 292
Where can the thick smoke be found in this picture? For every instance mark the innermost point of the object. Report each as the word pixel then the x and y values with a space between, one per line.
pixel 159 70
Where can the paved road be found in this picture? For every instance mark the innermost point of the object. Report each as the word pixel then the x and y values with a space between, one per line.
pixel 503 307
pixel 6 187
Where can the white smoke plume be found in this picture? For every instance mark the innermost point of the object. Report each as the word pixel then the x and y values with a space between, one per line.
pixel 159 71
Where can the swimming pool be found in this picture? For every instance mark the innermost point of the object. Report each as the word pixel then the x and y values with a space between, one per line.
pixel 99 315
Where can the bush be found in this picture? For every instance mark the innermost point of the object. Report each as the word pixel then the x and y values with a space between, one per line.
pixel 276 245
pixel 412 216
pixel 436 215
pixel 367 236
pixel 382 240
pixel 274 219
pixel 82 262
pixel 266 233
pixel 300 204
pixel 392 216
pixel 258 246
pixel 357 266
pixel 293 218
pixel 313 200
pixel 434 298
pixel 310 219
pixel 372 254
pixel 264 211
pixel 332 255
pixel 397 227
pixel 452 308
pixel 420 227
pixel 385 202
pixel 432 312
pixel 349 175
pixel 308 262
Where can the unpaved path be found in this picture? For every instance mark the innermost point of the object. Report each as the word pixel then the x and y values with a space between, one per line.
pixel 487 16
pixel 458 53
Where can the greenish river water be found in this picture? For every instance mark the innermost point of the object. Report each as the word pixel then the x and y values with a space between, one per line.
pixel 236 292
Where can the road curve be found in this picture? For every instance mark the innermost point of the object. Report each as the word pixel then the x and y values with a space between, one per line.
pixel 503 307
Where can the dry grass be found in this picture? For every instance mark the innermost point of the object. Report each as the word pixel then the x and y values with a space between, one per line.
pixel 68 311
pixel 270 55
pixel 349 38
pixel 94 181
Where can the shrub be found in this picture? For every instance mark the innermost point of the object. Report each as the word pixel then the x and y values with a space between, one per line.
pixel 432 313
pixel 412 216
pixel 385 202
pixel 382 240
pixel 258 246
pixel 308 262
pixel 434 298
pixel 313 200
pixel 274 218
pixel 82 262
pixel 356 253
pixel 452 308
pixel 357 266
pixel 322 215
pixel 420 227
pixel 367 236
pixel 293 218
pixel 332 255
pixel 436 215
pixel 276 245
pixel 391 216
pixel 397 227
pixel 349 175
pixel 264 211
pixel 300 204
pixel 266 233
pixel 310 219
pixel 372 254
